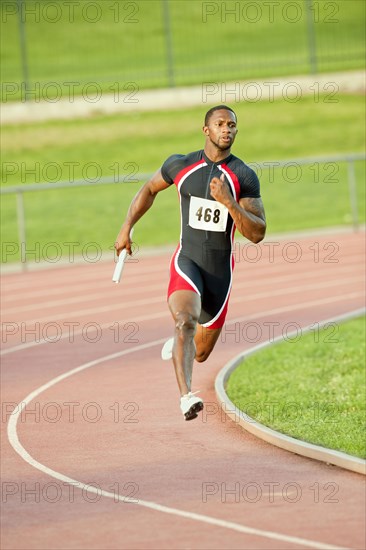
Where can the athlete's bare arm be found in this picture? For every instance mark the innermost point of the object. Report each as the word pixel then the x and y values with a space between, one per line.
pixel 248 214
pixel 140 204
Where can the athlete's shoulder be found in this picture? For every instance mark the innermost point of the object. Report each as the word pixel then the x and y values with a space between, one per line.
pixel 177 162
pixel 238 165
pixel 247 177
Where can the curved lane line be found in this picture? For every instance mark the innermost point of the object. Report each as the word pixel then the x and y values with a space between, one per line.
pixel 9 297
pixel 18 447
pixel 260 314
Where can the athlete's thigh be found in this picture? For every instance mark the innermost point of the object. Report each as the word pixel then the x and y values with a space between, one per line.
pixel 215 297
pixel 185 302
pixel 205 340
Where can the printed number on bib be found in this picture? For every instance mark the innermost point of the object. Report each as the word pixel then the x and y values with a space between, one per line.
pixel 207 215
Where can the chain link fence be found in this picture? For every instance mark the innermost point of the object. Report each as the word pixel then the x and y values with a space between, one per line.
pixel 52 48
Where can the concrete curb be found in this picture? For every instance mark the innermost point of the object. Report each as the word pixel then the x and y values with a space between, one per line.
pixel 278 439
pixel 207 94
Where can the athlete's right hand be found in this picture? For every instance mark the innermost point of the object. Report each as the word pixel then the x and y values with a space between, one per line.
pixel 123 241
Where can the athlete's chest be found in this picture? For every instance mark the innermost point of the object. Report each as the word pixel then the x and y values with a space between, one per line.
pixel 199 209
pixel 197 182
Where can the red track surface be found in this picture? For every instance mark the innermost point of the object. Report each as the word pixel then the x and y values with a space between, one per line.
pixel 118 425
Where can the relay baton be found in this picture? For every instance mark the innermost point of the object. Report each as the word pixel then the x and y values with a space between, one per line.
pixel 120 264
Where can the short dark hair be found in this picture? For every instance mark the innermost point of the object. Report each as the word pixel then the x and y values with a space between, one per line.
pixel 217 108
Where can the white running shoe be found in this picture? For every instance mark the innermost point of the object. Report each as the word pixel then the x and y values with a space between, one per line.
pixel 190 405
pixel 167 350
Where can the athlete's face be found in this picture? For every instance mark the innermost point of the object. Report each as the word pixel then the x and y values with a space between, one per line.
pixel 221 129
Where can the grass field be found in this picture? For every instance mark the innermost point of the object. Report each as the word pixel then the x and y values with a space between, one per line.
pixel 180 42
pixel 311 389
pixel 298 198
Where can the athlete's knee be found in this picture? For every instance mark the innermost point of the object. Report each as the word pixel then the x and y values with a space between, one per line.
pixel 185 322
pixel 202 356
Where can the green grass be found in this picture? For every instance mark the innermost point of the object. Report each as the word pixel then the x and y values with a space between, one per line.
pixel 311 388
pixel 128 42
pixel 141 142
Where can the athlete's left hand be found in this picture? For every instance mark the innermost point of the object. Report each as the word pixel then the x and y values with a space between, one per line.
pixel 220 190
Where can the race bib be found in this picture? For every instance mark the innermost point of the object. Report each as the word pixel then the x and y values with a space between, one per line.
pixel 207 215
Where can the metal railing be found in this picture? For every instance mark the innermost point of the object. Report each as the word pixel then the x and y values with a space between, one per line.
pixel 310 37
pixel 350 159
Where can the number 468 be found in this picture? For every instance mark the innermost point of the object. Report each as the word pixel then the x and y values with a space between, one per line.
pixel 207 215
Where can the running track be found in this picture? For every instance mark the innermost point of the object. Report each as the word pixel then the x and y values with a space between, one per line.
pixel 115 422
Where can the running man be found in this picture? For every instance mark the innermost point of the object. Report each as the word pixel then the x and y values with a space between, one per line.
pixel 218 193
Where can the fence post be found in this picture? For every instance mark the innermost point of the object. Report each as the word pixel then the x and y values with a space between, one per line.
pixel 23 47
pixel 353 193
pixel 21 230
pixel 168 43
pixel 311 36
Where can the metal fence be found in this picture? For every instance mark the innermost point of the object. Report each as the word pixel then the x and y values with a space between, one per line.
pixel 350 159
pixel 53 48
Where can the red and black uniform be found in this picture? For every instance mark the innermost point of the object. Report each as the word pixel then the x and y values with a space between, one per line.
pixel 203 261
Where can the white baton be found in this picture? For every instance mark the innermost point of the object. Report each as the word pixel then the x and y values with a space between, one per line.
pixel 120 263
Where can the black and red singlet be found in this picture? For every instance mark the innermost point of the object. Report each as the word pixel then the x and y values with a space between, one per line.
pixel 203 261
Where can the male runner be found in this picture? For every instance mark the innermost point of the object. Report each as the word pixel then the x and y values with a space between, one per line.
pixel 218 193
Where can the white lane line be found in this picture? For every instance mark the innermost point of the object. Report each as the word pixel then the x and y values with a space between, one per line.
pixel 98 284
pixel 91 273
pixel 101 296
pixel 18 447
pixel 103 292
pixel 162 314
pixel 99 287
pixel 306 305
pixel 96 276
pixel 144 302
pixel 300 288
pixel 112 307
pixel 19 347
